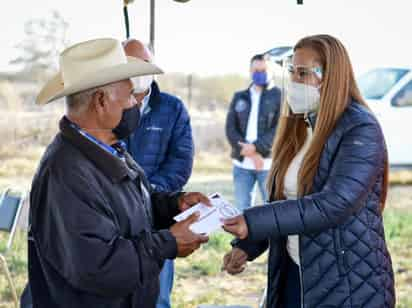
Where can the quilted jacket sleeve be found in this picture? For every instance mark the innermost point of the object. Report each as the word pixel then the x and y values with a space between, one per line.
pixel 252 249
pixel 174 172
pixel 356 166
pixel 165 206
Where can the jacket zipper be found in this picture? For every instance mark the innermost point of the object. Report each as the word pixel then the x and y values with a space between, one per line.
pixel 309 124
pixel 340 251
pixel 300 276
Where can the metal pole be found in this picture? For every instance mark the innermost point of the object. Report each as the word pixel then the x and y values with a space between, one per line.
pixel 126 18
pixel 152 25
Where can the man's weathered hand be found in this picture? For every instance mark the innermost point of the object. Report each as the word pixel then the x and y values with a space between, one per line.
pixel 234 262
pixel 187 241
pixel 187 200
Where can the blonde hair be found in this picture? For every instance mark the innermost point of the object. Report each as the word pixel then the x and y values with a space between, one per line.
pixel 338 89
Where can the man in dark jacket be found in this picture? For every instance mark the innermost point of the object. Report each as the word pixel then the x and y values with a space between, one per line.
pixel 162 144
pixel 250 129
pixel 99 234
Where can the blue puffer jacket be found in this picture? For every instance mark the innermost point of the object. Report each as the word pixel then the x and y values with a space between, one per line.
pixel 162 144
pixel 343 255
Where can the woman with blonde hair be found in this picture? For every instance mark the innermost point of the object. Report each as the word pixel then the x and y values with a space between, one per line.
pixel 328 184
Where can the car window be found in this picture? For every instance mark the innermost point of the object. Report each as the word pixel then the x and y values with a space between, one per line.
pixel 377 83
pixel 279 54
pixel 404 96
pixel 278 51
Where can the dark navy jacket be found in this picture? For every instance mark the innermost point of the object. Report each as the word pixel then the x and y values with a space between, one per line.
pixel 94 239
pixel 343 255
pixel 162 144
pixel 238 117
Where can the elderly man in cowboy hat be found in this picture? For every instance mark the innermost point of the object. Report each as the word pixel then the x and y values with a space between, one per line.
pixel 98 234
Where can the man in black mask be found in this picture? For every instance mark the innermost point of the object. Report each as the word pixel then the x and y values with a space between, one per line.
pixel 98 234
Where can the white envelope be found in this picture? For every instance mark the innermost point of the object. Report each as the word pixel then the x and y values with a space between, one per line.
pixel 210 217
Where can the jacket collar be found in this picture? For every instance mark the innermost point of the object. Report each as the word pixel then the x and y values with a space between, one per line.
pixel 112 166
pixel 154 95
pixel 313 116
pixel 245 94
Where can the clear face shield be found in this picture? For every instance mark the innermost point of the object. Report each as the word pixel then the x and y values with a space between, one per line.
pixel 300 88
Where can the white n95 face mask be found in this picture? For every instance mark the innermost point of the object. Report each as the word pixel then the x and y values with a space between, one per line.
pixel 142 83
pixel 302 98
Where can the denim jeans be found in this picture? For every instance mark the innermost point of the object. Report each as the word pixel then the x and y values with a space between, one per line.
pixel 166 284
pixel 245 186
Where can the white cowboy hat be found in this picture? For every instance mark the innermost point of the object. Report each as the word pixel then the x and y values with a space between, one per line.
pixel 92 64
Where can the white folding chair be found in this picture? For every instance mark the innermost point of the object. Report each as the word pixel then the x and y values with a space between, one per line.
pixel 10 208
pixel 263 299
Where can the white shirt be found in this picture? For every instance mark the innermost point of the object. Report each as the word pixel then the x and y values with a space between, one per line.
pixel 145 102
pixel 291 192
pixel 252 131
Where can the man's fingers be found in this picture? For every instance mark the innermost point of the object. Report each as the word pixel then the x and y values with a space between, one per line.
pixel 187 250
pixel 196 246
pixel 193 247
pixel 196 197
pixel 202 198
pixel 203 239
pixel 192 218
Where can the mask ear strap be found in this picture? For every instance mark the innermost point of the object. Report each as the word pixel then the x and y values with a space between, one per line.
pixel 318 72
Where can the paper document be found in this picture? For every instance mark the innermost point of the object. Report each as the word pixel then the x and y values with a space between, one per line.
pixel 210 217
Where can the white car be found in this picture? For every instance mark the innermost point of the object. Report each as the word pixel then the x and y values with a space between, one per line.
pixel 388 92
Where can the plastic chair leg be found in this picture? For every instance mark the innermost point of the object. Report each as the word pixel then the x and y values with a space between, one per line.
pixel 10 280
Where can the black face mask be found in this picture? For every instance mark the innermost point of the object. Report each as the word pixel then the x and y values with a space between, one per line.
pixel 128 123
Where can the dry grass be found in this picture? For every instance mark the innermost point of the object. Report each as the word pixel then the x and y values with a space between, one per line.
pixel 401 177
pixel 198 278
pixel 201 271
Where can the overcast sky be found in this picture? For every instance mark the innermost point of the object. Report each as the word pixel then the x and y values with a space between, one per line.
pixel 219 36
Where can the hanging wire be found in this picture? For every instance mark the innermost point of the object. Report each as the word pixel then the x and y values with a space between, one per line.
pixel 126 20
pixel 126 17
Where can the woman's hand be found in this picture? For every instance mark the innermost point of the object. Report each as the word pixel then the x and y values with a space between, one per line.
pixel 236 226
pixel 234 262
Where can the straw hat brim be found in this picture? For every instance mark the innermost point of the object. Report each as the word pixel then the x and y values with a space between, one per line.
pixel 55 88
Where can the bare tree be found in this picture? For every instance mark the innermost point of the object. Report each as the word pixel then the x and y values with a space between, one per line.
pixel 38 52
